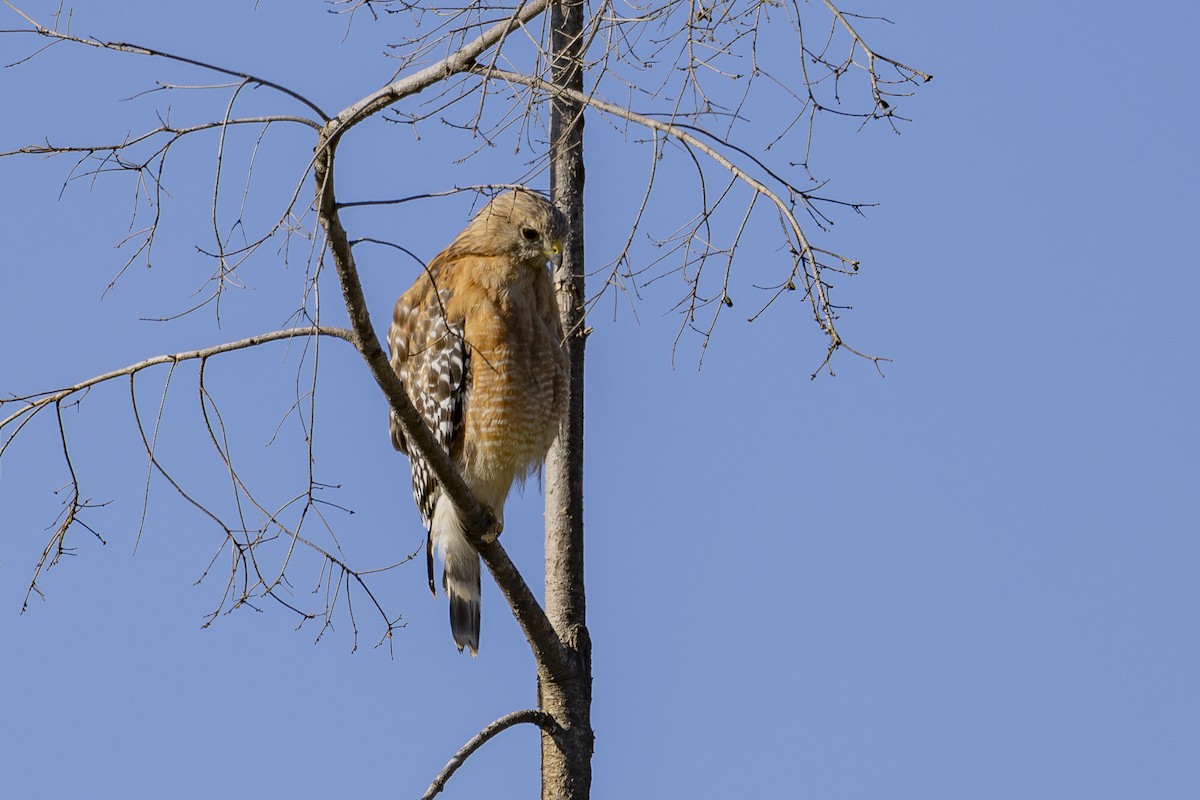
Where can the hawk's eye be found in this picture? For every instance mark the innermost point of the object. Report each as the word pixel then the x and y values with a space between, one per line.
pixel 530 234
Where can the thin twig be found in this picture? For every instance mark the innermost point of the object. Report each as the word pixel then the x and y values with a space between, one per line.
pixel 35 402
pixel 126 47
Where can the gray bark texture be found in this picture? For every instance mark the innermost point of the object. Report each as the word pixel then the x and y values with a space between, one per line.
pixel 567 748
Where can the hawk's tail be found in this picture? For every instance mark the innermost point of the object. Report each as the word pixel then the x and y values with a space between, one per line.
pixel 460 578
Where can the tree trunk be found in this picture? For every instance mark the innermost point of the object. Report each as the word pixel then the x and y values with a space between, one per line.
pixel 567 753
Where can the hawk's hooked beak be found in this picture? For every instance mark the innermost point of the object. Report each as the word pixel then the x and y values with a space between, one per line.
pixel 554 253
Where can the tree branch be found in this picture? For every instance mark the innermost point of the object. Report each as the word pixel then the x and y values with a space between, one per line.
pixel 480 523
pixel 810 269
pixel 881 104
pixel 479 520
pixel 459 61
pixel 530 715
pixel 126 47
pixel 176 133
pixel 36 402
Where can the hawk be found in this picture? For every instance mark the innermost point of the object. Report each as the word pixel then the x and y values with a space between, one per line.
pixel 478 345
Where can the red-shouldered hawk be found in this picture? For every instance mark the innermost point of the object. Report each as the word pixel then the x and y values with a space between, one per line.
pixel 478 345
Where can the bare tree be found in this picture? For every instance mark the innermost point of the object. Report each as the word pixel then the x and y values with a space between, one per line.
pixel 678 78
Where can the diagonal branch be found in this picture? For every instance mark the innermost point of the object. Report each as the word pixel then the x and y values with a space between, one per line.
pixel 479 521
pixel 819 298
pixel 530 715
pixel 461 60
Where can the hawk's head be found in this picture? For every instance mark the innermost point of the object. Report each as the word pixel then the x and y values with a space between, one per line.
pixel 521 224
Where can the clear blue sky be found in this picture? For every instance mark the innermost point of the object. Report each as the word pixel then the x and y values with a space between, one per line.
pixel 973 578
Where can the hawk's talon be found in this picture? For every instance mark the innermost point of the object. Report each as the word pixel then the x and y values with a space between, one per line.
pixel 494 530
